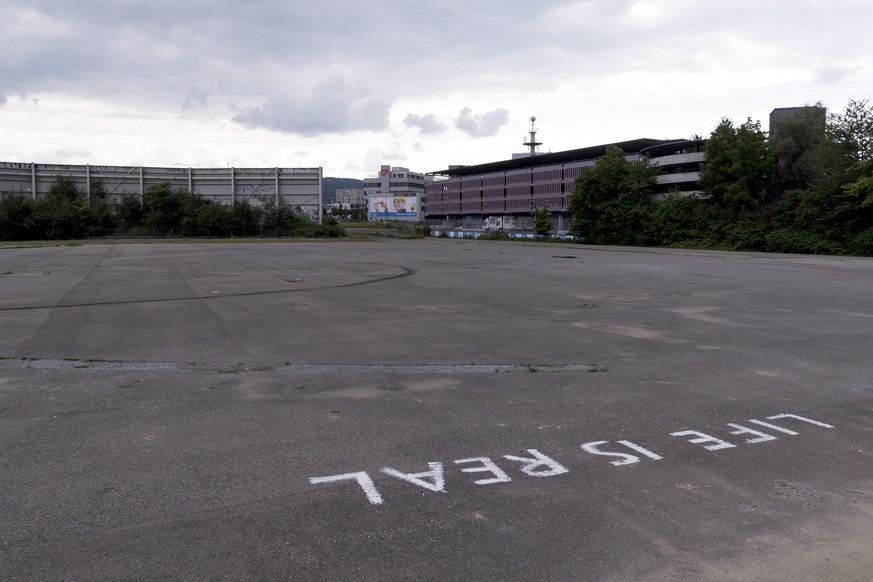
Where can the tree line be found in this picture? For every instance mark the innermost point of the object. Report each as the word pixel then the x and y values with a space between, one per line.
pixel 66 213
pixel 807 187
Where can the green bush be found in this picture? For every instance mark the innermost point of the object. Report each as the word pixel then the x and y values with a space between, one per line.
pixel 16 217
pixel 496 235
pixel 862 243
pixel 786 240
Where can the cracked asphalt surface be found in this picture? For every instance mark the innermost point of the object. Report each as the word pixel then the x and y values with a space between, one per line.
pixel 434 410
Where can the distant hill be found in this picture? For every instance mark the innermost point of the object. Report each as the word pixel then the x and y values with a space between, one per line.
pixel 331 185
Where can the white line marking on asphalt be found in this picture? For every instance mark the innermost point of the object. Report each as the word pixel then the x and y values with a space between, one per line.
pixel 541 465
pixel 704 438
pixel 437 481
pixel 641 450
pixel 626 458
pixel 530 465
pixel 762 437
pixel 773 426
pixel 487 466
pixel 361 477
pixel 804 419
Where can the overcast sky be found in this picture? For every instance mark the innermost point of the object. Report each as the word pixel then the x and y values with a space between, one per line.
pixel 350 85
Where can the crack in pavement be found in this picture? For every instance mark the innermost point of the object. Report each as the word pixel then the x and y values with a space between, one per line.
pixel 73 363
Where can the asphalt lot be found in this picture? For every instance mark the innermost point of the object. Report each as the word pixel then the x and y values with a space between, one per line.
pixel 434 410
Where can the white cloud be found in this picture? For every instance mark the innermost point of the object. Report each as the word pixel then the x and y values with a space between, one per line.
pixel 333 106
pixel 427 124
pixel 198 95
pixel 482 124
pixel 831 75
pixel 376 157
pixel 72 153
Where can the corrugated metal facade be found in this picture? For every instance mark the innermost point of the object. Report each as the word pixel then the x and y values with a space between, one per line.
pixel 291 186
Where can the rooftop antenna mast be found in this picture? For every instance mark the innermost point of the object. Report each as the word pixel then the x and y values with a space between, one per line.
pixel 532 143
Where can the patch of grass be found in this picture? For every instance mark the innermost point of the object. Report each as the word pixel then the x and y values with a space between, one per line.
pixel 597 368
pixel 531 368
pixel 8 273
pixel 80 366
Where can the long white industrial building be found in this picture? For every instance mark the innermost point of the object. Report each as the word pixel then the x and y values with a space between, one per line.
pixel 297 187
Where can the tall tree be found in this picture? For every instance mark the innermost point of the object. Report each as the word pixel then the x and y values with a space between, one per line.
pixel 63 213
pixel 610 202
pixel 129 211
pixel 244 218
pixel 211 219
pixel 169 208
pixel 64 188
pixel 16 216
pixel 102 218
pixel 278 219
pixel 542 224
pixel 737 165
pixel 853 130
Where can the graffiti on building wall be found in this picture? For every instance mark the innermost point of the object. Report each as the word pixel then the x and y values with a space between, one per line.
pixel 254 189
pixel 113 169
pixel 254 173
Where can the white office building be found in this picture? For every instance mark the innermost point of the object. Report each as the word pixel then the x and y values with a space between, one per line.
pixel 396 193
pixel 350 198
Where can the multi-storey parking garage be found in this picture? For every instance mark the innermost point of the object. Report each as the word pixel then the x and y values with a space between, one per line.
pixel 466 196
pixel 298 187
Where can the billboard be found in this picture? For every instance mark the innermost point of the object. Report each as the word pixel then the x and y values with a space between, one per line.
pixel 394 206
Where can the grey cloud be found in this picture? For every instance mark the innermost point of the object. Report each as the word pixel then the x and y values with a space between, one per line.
pixel 831 75
pixel 198 95
pixel 427 124
pixel 482 124
pixel 144 51
pixel 333 106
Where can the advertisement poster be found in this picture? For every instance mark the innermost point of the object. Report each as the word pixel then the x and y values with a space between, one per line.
pixel 400 206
